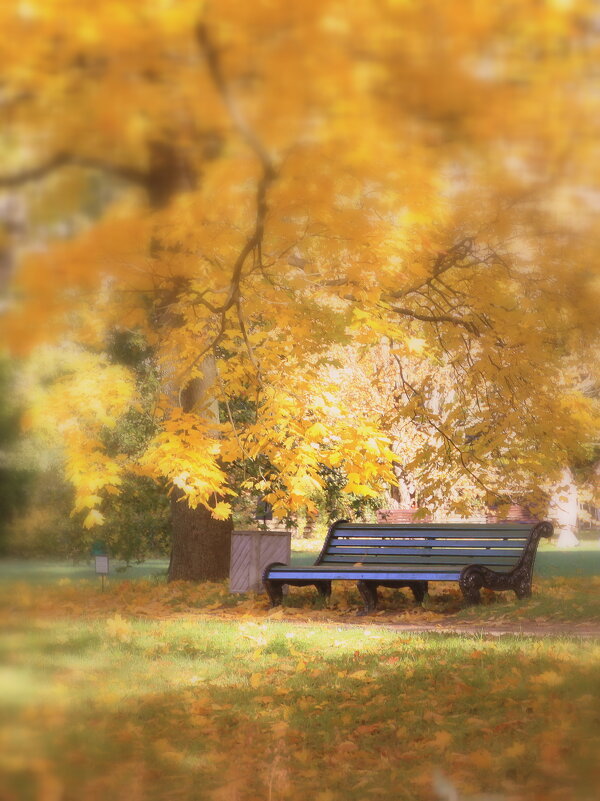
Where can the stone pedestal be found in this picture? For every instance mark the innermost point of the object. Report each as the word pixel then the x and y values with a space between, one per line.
pixel 251 552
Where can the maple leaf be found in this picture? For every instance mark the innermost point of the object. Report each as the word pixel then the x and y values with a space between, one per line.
pixel 93 518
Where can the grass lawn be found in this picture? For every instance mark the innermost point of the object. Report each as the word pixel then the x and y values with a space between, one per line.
pixel 122 708
pixel 149 691
pixel 566 588
pixel 551 561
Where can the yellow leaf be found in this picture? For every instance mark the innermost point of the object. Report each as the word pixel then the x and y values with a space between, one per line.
pixel 316 432
pixel 481 759
pixel 548 679
pixel 119 628
pixel 415 345
pixel 442 739
pixel 222 511
pixel 515 750
pixel 87 502
pixel 359 674
pixel 93 518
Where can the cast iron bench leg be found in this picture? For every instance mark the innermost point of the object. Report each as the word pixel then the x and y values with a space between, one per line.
pixel 419 590
pixel 368 592
pixel 324 590
pixel 274 591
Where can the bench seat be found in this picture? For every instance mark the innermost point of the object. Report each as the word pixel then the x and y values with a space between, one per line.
pixel 499 556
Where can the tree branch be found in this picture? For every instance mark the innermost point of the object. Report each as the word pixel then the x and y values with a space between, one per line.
pixel 437 318
pixel 60 160
pixel 248 134
pixel 36 173
pixel 254 242
pixel 244 331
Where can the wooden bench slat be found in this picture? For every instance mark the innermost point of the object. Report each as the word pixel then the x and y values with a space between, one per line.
pixel 392 559
pixel 410 546
pixel 381 575
pixel 438 533
pixel 432 526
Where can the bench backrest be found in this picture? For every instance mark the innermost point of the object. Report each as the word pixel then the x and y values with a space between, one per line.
pixel 499 546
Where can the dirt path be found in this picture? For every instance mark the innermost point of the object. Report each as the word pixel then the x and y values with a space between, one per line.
pixel 585 630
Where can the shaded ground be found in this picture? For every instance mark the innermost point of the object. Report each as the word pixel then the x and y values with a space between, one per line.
pixel 132 709
pixel 566 598
pixel 151 691
pixel 538 629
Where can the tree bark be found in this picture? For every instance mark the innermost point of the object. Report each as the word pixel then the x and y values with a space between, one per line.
pixel 201 545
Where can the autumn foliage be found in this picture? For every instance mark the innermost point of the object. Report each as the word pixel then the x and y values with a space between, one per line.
pixel 289 201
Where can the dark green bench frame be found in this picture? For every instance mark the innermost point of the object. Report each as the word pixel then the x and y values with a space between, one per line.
pixel 495 557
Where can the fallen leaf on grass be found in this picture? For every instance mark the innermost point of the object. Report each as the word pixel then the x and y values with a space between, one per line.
pixel 548 679
pixel 481 759
pixel 442 739
pixel 361 675
pixel 515 750
pixel 119 628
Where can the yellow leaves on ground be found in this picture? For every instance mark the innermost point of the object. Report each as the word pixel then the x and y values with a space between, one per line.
pixel 119 628
pixel 213 600
pixel 361 675
pixel 515 751
pixel 548 679
pixel 249 706
pixel 442 740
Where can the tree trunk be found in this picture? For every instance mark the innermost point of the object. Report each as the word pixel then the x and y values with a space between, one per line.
pixel 564 509
pixel 200 549
pixel 200 546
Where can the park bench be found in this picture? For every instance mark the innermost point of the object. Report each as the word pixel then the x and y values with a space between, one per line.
pixel 495 557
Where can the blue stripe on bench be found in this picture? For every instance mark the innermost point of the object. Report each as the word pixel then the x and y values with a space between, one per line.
pixel 332 573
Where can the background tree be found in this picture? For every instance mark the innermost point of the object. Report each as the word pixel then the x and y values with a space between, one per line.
pixel 269 181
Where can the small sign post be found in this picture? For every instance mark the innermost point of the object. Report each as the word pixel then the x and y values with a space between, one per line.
pixel 101 567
